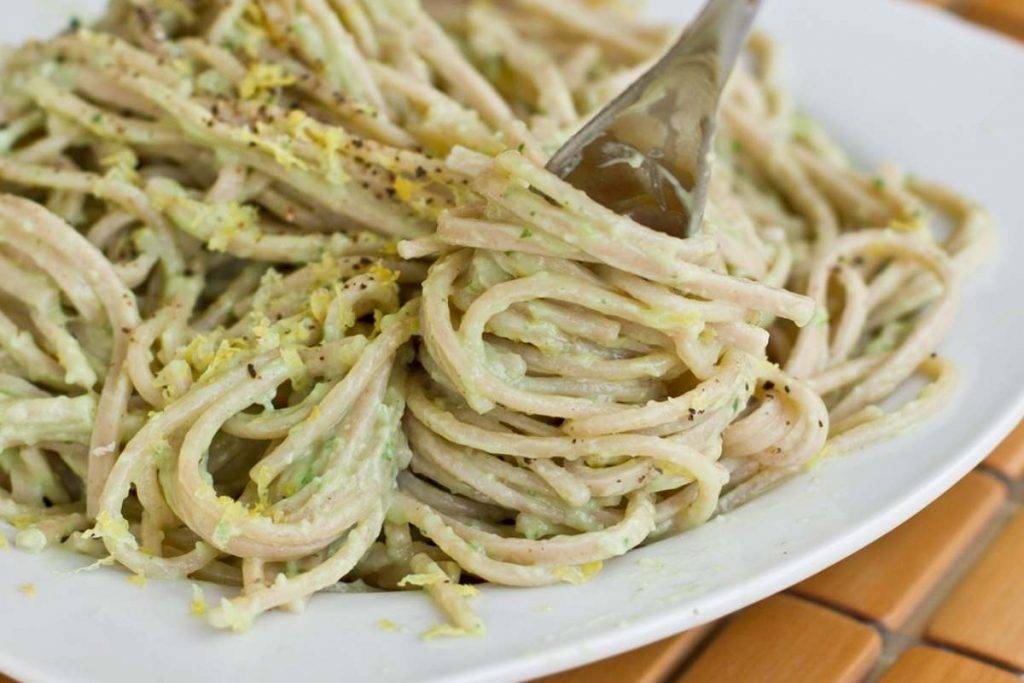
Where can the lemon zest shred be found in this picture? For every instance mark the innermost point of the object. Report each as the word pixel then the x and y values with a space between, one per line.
pixel 229 615
pixel 578 574
pixel 262 78
pixel 23 521
pixel 423 580
pixel 198 606
pixel 466 590
pixel 319 304
pixel 388 625
pixel 909 223
pixel 275 149
pixel 115 529
pixel 262 476
pixel 382 273
pixel 232 512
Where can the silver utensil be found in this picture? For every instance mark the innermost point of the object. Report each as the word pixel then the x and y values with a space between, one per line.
pixel 648 153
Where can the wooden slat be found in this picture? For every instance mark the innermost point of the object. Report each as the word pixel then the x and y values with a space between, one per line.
pixel 888 579
pixel 1003 15
pixel 785 638
pixel 929 664
pixel 985 613
pixel 1008 457
pixel 649 664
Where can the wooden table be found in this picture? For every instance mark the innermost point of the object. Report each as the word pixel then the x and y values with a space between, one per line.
pixel 1006 16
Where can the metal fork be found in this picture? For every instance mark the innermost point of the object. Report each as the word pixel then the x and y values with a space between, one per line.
pixel 648 153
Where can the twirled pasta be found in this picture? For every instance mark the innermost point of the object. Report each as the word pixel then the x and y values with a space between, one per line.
pixel 288 301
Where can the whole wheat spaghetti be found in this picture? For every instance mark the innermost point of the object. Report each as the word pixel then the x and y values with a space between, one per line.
pixel 289 303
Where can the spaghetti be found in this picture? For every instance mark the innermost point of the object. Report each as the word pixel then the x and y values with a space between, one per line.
pixel 288 302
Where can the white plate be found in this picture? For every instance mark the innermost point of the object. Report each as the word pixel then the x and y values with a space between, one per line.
pixel 894 81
